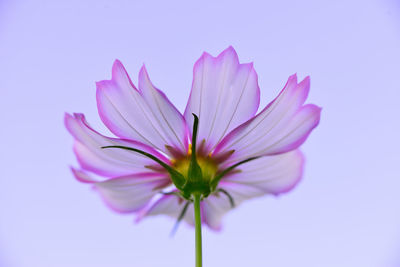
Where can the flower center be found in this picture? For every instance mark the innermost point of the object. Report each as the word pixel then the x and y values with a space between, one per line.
pixel 193 174
pixel 207 165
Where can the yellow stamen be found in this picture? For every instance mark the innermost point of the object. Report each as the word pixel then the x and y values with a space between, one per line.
pixel 190 149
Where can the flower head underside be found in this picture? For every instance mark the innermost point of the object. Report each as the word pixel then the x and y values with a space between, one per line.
pixel 219 147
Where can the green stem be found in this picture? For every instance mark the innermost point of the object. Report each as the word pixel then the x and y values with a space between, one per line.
pixel 197 219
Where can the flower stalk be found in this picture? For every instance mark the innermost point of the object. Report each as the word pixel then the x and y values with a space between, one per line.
pixel 196 173
pixel 197 219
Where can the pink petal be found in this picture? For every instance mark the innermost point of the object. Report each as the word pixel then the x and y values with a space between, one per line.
pixel 214 208
pixel 282 126
pixel 108 162
pixel 131 193
pixel 83 176
pixel 266 175
pixel 171 206
pixel 224 95
pixel 169 118
pixel 218 204
pixel 270 175
pixel 146 116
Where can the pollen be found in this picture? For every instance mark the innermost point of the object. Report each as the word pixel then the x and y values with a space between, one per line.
pixel 190 150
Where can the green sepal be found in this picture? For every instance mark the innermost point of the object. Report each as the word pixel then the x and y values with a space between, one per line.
pixel 195 182
pixel 177 178
pixel 194 174
pixel 180 218
pixel 172 193
pixel 231 200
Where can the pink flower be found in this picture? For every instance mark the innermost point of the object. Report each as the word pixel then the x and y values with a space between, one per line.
pixel 239 155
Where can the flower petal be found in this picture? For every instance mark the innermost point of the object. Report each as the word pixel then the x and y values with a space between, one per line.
pixel 282 126
pixel 270 174
pixel 131 193
pixel 83 176
pixel 171 206
pixel 214 208
pixel 224 95
pixel 108 162
pixel 266 175
pixel 146 115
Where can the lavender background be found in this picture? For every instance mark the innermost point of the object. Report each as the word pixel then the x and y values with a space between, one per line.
pixel 344 213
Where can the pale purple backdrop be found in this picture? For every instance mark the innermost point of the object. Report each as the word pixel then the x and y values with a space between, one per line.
pixel 345 213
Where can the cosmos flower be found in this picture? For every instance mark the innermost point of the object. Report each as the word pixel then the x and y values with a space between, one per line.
pixel 233 153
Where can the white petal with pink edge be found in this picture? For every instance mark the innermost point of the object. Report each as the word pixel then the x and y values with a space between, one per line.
pixel 224 95
pixel 146 116
pixel 270 174
pixel 131 193
pixel 109 162
pixel 212 208
pixel 266 175
pixel 127 193
pixel 170 205
pixel 83 176
pixel 282 126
